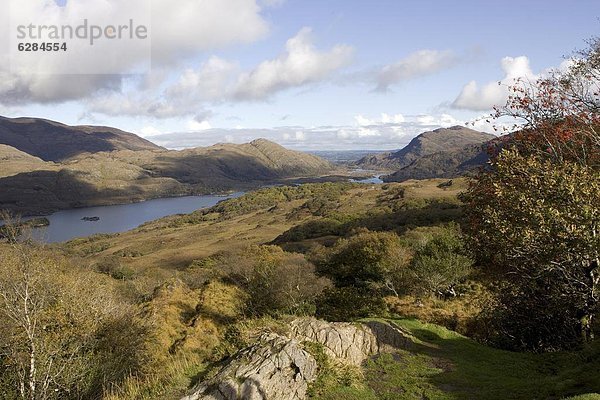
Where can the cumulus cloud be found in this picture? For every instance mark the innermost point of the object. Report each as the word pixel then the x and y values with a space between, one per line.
pixel 188 26
pixel 415 65
pixel 383 132
pixel 211 81
pixel 300 64
pixel 218 80
pixel 476 98
pixel 177 32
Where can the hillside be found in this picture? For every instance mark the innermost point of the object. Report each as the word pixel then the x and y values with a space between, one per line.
pixel 443 139
pixel 54 141
pixel 206 260
pixel 444 164
pixel 295 218
pixel 124 176
pixel 13 161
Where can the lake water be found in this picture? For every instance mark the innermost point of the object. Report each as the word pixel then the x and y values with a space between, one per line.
pixel 373 180
pixel 68 224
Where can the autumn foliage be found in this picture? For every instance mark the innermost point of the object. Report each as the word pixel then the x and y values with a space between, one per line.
pixel 534 216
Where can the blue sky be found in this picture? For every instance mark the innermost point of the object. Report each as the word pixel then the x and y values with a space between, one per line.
pixel 353 74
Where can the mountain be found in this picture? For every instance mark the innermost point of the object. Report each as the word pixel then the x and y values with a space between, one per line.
pixel 30 185
pixel 443 139
pixel 444 164
pixel 13 161
pixel 54 141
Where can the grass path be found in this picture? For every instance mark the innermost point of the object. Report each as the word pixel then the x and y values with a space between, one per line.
pixel 442 364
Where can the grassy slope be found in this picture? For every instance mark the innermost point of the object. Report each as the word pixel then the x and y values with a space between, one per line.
pixel 173 243
pixel 125 176
pixel 441 365
pixel 445 365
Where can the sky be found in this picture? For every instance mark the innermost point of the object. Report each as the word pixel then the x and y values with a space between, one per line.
pixel 308 74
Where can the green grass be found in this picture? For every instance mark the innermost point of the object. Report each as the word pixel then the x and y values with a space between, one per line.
pixel 442 364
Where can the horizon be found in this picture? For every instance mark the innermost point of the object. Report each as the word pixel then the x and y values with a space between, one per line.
pixel 307 75
pixel 252 139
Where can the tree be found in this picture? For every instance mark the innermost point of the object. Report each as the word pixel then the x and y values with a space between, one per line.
pixel 51 319
pixel 534 216
pixel 374 260
pixel 363 269
pixel 440 264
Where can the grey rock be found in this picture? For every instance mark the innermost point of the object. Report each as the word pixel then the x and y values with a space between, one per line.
pixel 351 343
pixel 277 367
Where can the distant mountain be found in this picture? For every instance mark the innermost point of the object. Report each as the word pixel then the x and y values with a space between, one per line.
pixel 53 141
pixel 344 157
pixel 444 164
pixel 442 139
pixel 30 185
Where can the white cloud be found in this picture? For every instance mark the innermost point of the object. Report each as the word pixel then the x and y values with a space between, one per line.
pixel 385 119
pixel 415 65
pixel 395 119
pixel 189 26
pixel 301 64
pixel 362 121
pixel 473 97
pixel 378 133
pixel 298 136
pixel 218 80
pixel 149 131
pixel 194 125
pixel 177 32
pixel 210 82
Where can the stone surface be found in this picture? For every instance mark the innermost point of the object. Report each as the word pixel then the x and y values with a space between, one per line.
pixel 352 343
pixel 277 367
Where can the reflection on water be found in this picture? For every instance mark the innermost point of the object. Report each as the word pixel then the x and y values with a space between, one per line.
pixel 375 179
pixel 69 224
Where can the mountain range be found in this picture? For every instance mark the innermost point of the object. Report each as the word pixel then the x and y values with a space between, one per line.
pixel 53 141
pixel 46 166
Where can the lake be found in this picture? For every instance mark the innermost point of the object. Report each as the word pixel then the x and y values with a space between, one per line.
pixel 373 180
pixel 68 224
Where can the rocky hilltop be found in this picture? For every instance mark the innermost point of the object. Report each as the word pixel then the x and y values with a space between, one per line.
pixel 453 139
pixel 445 164
pixel 282 366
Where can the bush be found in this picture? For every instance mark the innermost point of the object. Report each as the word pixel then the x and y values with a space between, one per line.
pixel 349 304
pixel 276 282
pixel 440 264
pixel 367 259
pixel 57 337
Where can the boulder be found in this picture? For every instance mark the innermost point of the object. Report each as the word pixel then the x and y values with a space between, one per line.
pixel 278 367
pixel 275 367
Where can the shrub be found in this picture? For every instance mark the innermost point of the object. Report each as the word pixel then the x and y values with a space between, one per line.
pixel 440 264
pixel 276 282
pixel 350 303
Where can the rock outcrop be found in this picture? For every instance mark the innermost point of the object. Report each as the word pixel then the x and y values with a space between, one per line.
pixel 278 367
pixel 348 342
pixel 275 367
